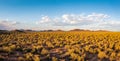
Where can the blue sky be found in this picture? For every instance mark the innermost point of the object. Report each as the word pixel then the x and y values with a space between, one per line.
pixel 69 14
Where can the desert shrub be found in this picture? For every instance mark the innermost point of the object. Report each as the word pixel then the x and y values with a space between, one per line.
pixel 28 56
pixel 54 59
pixel 7 49
pixel 113 56
pixel 21 59
pixel 36 58
pixel 102 55
pixel 44 51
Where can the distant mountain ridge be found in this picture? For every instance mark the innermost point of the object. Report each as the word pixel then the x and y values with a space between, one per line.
pixel 79 30
pixel 22 30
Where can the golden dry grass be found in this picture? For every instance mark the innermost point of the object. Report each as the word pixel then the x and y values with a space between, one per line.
pixel 60 46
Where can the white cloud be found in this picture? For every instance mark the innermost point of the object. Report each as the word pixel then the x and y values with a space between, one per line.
pixel 44 19
pixel 84 19
pixel 7 25
pixel 91 21
pixel 104 25
pixel 72 19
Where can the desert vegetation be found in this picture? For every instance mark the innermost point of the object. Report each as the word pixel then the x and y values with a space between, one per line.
pixel 60 46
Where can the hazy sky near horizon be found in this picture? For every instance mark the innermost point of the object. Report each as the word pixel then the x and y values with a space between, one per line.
pixel 60 14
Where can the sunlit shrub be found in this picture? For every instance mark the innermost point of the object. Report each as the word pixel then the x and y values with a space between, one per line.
pixel 102 55
pixel 44 51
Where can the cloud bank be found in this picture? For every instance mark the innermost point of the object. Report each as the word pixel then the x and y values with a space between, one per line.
pixel 7 25
pixel 93 21
pixel 72 19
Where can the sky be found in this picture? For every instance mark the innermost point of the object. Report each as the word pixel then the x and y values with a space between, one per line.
pixel 60 14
